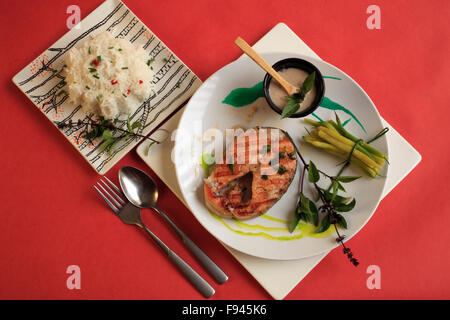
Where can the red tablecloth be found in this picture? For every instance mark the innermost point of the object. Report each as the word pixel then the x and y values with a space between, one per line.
pixel 51 218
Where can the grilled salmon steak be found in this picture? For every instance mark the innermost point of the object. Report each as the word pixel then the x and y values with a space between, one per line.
pixel 256 171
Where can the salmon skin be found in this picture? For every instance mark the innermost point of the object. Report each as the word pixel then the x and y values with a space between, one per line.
pixel 256 171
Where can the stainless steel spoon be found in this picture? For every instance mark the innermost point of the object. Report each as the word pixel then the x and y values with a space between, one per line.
pixel 142 191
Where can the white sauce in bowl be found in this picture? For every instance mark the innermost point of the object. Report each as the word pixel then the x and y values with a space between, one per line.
pixel 108 76
pixel 296 77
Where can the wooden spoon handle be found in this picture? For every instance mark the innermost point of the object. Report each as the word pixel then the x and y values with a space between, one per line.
pixel 245 47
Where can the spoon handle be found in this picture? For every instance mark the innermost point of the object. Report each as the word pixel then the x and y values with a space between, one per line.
pixel 202 257
pixel 245 47
pixel 197 281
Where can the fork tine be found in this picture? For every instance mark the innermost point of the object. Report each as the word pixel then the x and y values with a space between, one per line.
pixel 111 198
pixel 114 186
pixel 110 204
pixel 112 191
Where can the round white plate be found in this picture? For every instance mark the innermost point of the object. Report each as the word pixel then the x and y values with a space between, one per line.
pixel 267 236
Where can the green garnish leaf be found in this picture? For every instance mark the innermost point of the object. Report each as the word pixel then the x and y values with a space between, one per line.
pixel 341 187
pixel 313 173
pixel 130 129
pixel 96 76
pixel 344 207
pixel 231 167
pixel 92 70
pixel 124 68
pixel 296 99
pixel 290 108
pixel 99 58
pixel 346 179
pixel 308 84
pixel 324 224
pixel 135 125
pixel 337 199
pixel 295 220
pixel 264 177
pixel 107 135
pixel 87 87
pixel 89 50
pixel 341 221
pixel 335 188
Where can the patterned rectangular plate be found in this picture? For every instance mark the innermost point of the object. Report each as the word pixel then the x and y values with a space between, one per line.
pixel 43 83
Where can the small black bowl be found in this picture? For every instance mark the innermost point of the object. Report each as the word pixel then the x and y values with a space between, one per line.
pixel 303 65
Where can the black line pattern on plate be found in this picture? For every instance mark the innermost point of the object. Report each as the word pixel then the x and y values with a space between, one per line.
pixel 115 23
pixel 53 104
pixel 149 41
pixel 138 34
pixel 171 79
pixel 193 79
pixel 128 28
pixel 164 69
pixel 62 51
pixel 156 50
pixel 49 94
pixel 52 76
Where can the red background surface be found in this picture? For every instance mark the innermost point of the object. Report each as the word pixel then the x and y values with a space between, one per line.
pixel 51 218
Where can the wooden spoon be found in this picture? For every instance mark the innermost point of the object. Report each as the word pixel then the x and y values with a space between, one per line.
pixel 245 47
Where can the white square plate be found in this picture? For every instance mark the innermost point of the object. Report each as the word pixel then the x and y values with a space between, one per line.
pixel 42 81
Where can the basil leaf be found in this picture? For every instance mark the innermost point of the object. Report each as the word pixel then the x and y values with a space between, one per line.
pixel 341 221
pixel 135 125
pixel 337 199
pixel 309 209
pixel 335 187
pixel 129 124
pixel 290 108
pixel 295 220
pixel 107 135
pixel 313 174
pixel 344 207
pixel 107 145
pixel 346 179
pixel 314 213
pixel 324 224
pixel 308 83
pixel 340 187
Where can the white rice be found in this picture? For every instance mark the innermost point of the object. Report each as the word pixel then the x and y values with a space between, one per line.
pixel 108 76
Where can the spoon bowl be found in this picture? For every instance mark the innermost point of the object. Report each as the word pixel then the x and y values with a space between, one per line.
pixel 139 188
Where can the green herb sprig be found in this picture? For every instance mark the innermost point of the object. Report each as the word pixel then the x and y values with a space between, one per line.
pixel 109 130
pixel 331 207
pixel 296 99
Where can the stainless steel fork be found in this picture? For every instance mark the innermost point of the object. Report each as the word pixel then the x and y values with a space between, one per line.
pixel 130 214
